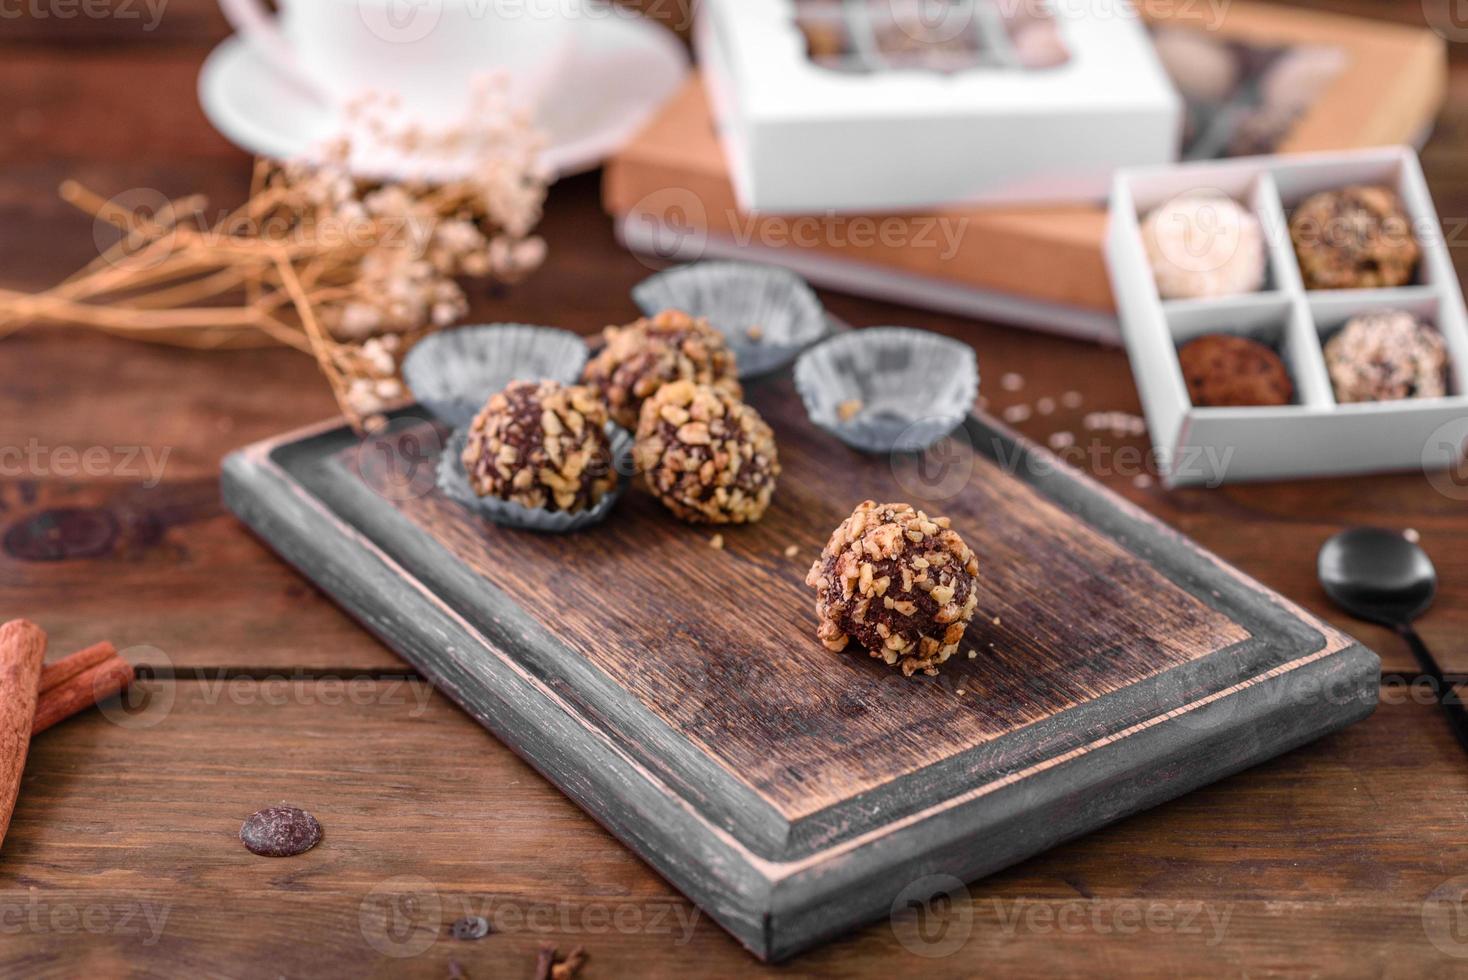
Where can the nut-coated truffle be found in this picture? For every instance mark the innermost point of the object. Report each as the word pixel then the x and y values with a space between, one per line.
pixel 1204 244
pixel 541 445
pixel 1356 238
pixel 1387 355
pixel 1202 69
pixel 899 583
pixel 643 356
pixel 1221 369
pixel 706 455
pixel 1301 75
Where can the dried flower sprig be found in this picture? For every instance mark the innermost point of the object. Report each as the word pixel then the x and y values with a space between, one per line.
pixel 353 273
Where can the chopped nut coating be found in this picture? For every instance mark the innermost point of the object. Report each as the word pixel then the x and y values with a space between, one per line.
pixel 641 357
pixel 899 583
pixel 718 467
pixel 542 446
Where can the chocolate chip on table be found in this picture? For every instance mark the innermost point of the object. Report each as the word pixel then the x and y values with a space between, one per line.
pixel 470 927
pixel 280 831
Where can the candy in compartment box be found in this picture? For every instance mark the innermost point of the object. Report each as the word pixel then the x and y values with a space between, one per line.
pixel 1290 316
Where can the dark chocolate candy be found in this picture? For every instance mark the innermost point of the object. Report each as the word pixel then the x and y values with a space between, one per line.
pixel 280 831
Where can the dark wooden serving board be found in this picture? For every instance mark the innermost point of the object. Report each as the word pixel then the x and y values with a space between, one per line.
pixel 677 692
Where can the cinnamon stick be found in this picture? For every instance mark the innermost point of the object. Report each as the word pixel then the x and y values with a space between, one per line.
pixel 81 691
pixel 53 675
pixel 22 648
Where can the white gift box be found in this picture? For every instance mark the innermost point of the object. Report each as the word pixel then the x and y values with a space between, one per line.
pixel 1316 436
pixel 802 137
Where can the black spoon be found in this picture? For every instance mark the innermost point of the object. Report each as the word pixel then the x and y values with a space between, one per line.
pixel 1380 576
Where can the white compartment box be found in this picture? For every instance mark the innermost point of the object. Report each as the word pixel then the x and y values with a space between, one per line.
pixel 801 137
pixel 1316 436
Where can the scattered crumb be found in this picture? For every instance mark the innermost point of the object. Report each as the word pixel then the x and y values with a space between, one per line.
pixel 961 692
pixel 1045 406
pixel 972 654
pixel 849 410
pixel 1119 423
pixel 717 541
pixel 792 551
pixel 755 333
pixel 1071 399
pixel 1141 481
pixel 996 623
pixel 549 965
pixel 1411 535
pixel 1062 440
pixel 1012 382
pixel 1017 413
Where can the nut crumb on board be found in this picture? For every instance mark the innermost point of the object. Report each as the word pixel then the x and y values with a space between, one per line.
pixel 792 551
pixel 717 541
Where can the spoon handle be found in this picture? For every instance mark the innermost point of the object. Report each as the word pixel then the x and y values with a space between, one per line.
pixel 1447 697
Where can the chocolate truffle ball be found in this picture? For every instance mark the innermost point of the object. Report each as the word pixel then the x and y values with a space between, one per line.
pixel 1356 238
pixel 899 583
pixel 1204 244
pixel 1204 70
pixel 643 356
pixel 1300 76
pixel 706 455
pixel 1387 355
pixel 542 445
pixel 1221 369
pixel 1261 130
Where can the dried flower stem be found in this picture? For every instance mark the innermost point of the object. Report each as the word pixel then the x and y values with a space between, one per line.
pixel 352 274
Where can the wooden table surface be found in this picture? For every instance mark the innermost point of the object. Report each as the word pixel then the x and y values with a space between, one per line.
pixel 1344 857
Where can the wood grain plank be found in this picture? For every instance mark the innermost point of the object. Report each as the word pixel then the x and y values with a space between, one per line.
pixel 1326 854
pixel 1259 874
pixel 168 576
pixel 1065 616
pixel 202 406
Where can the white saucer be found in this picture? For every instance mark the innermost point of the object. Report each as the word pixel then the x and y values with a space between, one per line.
pixel 621 71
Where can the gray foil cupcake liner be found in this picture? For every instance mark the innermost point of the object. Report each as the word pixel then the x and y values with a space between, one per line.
pixel 903 389
pixel 735 296
pixel 454 372
pixel 453 481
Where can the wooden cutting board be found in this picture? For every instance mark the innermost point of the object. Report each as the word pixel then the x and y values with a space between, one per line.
pixel 677 692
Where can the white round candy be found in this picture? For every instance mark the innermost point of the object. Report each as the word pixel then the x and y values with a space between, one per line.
pixel 1204 244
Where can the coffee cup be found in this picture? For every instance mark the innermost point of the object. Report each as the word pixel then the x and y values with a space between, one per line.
pixel 425 55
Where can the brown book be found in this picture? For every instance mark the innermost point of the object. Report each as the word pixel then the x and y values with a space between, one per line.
pixel 671 193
